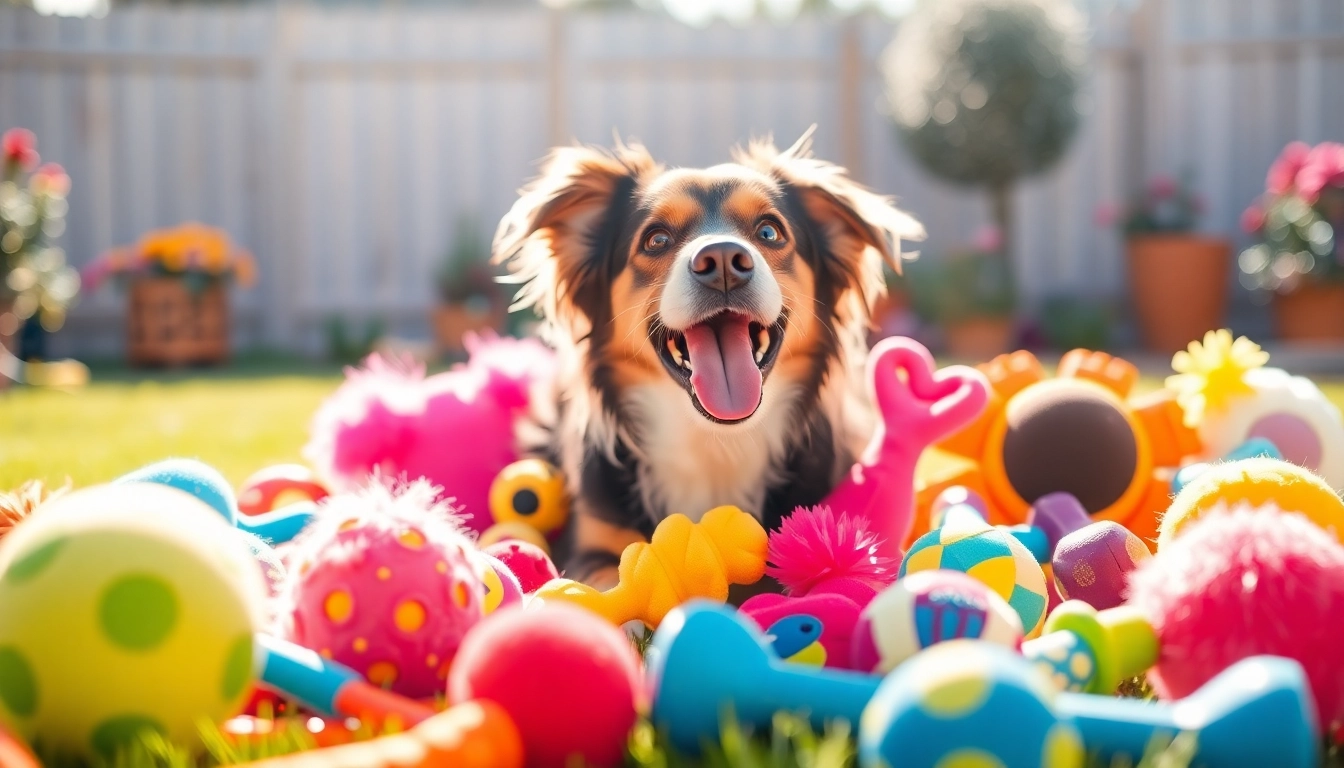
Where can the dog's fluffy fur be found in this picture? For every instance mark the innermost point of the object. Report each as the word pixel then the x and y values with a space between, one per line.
pixel 603 244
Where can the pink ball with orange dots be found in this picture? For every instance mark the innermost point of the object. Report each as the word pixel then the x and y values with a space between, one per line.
pixel 385 584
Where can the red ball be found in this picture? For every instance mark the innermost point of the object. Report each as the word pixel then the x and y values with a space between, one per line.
pixel 1244 583
pixel 569 679
pixel 278 486
pixel 527 561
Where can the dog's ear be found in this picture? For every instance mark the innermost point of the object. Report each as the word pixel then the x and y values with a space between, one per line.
pixel 859 228
pixel 558 238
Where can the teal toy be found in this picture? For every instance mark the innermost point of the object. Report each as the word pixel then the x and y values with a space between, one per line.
pixel 1256 447
pixel 207 484
pixel 707 660
pixel 967 702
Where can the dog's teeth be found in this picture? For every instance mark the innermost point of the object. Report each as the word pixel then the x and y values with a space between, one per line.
pixel 764 340
pixel 676 353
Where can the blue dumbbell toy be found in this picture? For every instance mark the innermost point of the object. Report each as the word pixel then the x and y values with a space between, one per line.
pixel 967 699
pixel 1254 448
pixel 207 484
pixel 706 660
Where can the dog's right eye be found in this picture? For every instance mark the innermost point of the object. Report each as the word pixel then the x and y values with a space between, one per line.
pixel 657 240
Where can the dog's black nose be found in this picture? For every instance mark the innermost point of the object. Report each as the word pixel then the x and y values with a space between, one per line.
pixel 722 266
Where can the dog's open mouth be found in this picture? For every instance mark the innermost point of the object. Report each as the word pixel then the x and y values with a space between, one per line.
pixel 722 362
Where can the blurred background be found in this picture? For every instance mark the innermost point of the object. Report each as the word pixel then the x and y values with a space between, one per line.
pixel 316 179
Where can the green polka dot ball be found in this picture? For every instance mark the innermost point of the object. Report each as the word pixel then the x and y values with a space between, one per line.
pixel 124 608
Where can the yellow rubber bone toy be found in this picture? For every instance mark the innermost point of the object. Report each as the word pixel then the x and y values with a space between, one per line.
pixel 684 560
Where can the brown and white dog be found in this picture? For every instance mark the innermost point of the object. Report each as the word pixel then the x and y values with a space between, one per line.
pixel 711 328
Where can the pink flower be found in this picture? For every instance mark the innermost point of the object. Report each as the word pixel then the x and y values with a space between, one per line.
pixel 50 179
pixel 1162 187
pixel 1252 219
pixel 1323 168
pixel 19 146
pixel 988 240
pixel 1106 215
pixel 1283 172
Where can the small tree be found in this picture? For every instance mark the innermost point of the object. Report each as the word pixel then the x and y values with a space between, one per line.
pixel 985 92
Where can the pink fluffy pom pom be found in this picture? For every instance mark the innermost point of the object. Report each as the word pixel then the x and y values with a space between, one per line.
pixel 1243 583
pixel 816 550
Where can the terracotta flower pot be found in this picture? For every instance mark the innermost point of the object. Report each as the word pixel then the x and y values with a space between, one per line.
pixel 1312 312
pixel 980 339
pixel 167 324
pixel 9 337
pixel 452 321
pixel 1180 285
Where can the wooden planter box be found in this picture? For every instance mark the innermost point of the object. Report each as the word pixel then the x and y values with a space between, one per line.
pixel 1314 312
pixel 168 325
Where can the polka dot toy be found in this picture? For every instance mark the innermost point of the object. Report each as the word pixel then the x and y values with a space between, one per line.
pixel 988 554
pixel 126 608
pixel 925 608
pixel 947 707
pixel 501 586
pixel 386 584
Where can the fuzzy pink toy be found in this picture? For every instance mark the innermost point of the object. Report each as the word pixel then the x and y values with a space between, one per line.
pixel 1244 583
pixel 830 568
pixel 457 429
pixel 919 406
pixel 528 562
pixel 384 582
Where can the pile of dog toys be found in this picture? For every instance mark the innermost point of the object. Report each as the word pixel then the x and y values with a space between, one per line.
pixel 1191 536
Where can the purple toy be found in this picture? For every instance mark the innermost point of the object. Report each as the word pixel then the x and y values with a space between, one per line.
pixel 1092 560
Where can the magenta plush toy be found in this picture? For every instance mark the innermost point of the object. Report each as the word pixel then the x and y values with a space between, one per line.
pixel 384 582
pixel 457 429
pixel 830 567
pixel 917 410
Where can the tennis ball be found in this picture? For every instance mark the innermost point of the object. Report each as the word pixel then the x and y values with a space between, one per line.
pixel 127 608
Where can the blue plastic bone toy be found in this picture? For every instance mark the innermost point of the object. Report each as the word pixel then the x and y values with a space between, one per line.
pixel 968 698
pixel 207 484
pixel 706 660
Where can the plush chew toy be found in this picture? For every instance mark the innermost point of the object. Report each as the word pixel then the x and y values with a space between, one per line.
pixel 992 555
pixel 277 487
pixel 706 657
pixel 1091 560
pixel 569 680
pixel 471 735
pixel 207 484
pixel 1230 397
pixel 457 429
pixel 926 608
pixel 968 702
pixel 684 560
pixel 917 409
pixel 329 688
pixel 1243 583
pixel 830 569
pixel 1079 433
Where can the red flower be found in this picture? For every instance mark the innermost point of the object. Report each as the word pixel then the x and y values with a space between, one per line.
pixel 1323 168
pixel 1283 173
pixel 1252 219
pixel 1106 215
pixel 50 179
pixel 1162 187
pixel 19 146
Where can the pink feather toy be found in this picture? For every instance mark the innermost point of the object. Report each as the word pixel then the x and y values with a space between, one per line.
pixel 831 568
pixel 457 429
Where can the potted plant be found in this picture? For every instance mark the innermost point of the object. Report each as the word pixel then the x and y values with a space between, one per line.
pixel 1178 278
pixel 177 281
pixel 1299 261
pixel 36 285
pixel 469 296
pixel 968 294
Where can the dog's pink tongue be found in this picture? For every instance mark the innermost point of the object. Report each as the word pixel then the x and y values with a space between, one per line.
pixel 723 371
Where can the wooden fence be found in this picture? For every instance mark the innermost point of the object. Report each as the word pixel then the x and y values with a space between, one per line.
pixel 345 145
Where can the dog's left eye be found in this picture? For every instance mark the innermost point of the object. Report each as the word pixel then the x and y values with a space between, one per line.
pixel 657 240
pixel 768 232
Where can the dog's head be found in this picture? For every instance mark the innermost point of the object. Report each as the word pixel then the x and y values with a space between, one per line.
pixel 719 279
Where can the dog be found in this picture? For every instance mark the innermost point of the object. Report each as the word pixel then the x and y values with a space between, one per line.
pixel 710 328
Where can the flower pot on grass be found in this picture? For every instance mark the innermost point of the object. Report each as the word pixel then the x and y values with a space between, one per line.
pixel 1179 284
pixel 1312 313
pixel 168 324
pixel 980 338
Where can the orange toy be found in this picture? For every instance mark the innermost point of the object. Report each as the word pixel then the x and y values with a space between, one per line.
pixel 477 734
pixel 14 754
pixel 684 560
pixel 1080 433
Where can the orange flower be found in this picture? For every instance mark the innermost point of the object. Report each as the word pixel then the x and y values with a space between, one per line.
pixel 245 269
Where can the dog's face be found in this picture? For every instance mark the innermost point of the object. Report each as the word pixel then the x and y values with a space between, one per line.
pixel 716 280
